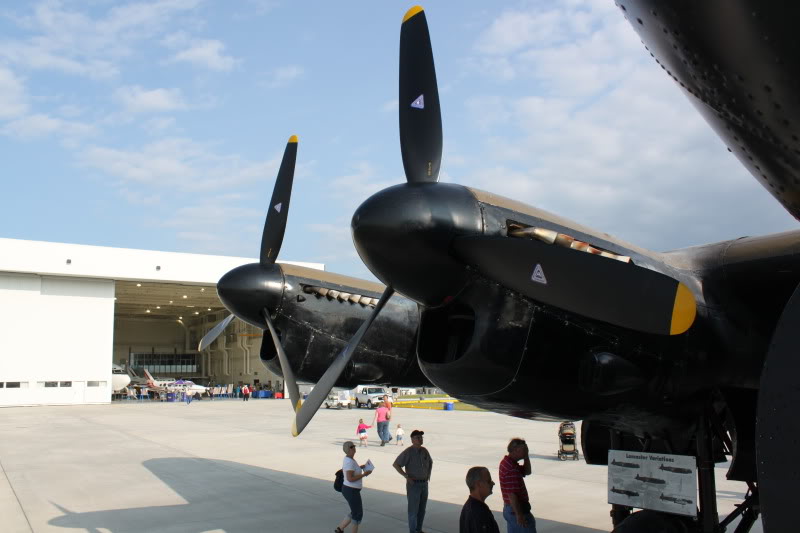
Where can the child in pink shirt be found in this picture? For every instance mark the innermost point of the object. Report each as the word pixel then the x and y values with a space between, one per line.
pixel 361 431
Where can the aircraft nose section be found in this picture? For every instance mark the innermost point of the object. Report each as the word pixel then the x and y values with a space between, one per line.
pixel 248 289
pixel 403 235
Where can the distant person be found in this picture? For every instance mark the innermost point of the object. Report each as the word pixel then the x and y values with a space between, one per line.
pixel 418 465
pixel 245 392
pixel 399 435
pixel 238 392
pixel 351 488
pixel 387 400
pixel 476 517
pixel 361 432
pixel 382 416
pixel 516 504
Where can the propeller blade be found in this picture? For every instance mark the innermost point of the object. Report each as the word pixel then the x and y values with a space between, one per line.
pixel 209 337
pixel 420 115
pixel 328 380
pixel 275 225
pixel 286 369
pixel 589 285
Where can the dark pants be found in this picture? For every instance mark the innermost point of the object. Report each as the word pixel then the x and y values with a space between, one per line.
pixel 383 431
pixel 353 497
pixel 417 493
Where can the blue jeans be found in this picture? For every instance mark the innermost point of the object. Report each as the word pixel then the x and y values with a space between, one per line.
pixel 417 492
pixel 383 431
pixel 511 521
pixel 353 497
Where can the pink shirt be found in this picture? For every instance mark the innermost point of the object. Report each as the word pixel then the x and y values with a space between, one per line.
pixel 381 413
pixel 362 426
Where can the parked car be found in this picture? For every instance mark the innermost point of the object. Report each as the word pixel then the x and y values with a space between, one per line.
pixel 370 396
pixel 339 400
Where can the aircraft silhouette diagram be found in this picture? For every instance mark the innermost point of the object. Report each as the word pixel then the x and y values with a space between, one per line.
pixel 687 352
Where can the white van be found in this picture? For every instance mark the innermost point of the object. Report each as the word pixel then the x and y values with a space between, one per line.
pixel 339 399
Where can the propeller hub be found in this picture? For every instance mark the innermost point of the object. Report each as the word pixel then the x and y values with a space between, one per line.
pixel 403 235
pixel 248 289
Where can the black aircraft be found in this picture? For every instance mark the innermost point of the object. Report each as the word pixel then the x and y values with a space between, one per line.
pixel 310 314
pixel 628 493
pixel 675 469
pixel 675 499
pixel 653 480
pixel 526 313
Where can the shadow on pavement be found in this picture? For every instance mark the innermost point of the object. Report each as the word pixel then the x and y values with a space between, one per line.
pixel 229 496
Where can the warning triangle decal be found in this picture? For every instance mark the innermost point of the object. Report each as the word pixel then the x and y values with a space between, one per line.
pixel 419 103
pixel 538 275
pixel 278 207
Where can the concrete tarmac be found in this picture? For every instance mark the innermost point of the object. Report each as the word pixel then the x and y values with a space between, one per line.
pixel 228 465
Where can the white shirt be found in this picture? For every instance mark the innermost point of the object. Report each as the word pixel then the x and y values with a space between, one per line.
pixel 350 464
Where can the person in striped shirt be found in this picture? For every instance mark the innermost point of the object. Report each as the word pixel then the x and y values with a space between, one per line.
pixel 516 504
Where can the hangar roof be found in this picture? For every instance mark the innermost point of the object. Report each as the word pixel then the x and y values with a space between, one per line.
pixel 149 284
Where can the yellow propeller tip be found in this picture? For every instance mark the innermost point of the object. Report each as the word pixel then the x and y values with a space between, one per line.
pixel 684 310
pixel 293 139
pixel 294 430
pixel 411 12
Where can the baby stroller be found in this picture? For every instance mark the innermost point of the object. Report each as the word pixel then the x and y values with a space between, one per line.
pixel 567 447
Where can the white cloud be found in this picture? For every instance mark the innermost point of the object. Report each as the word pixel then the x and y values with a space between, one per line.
pixel 42 125
pixel 284 75
pixel 139 100
pixel 514 30
pixel 13 100
pixel 208 54
pixel 71 41
pixel 592 130
pixel 159 124
pixel 177 163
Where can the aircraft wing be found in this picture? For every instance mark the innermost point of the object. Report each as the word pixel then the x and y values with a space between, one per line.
pixel 738 66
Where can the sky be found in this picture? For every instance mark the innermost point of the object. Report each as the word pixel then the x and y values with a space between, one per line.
pixel 160 124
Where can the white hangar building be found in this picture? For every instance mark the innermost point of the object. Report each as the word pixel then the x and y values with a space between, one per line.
pixel 69 311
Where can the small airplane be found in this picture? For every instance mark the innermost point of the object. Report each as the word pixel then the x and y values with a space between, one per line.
pixel 624 492
pixel 177 385
pixel 119 378
pixel 653 480
pixel 674 499
pixel 675 469
pixel 623 464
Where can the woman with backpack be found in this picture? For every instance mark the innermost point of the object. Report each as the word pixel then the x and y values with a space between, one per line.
pixel 352 473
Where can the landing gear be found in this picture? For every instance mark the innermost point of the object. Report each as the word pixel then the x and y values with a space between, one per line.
pixel 711 433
